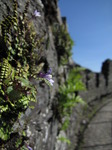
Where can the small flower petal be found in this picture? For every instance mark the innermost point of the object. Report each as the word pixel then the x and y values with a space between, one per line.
pixel 29 148
pixel 36 13
pixel 49 71
pixel 49 76
pixel 51 82
pixel 41 75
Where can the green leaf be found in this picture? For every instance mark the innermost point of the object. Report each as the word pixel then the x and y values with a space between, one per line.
pixel 24 82
pixel 3 134
pixel 64 139
pixel 9 89
pixel 80 100
pixel 38 68
pixel 46 81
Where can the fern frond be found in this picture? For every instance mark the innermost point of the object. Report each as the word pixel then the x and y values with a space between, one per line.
pixel 45 80
pixel 15 8
pixel 26 9
pixel 22 71
pixel 6 27
pixel 36 70
pixel 6 71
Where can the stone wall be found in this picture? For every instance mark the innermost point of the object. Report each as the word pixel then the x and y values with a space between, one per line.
pixel 43 126
pixel 98 91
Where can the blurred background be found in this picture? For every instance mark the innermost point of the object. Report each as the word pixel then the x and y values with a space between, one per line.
pixel 90 26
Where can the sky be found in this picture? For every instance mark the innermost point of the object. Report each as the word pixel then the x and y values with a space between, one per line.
pixel 90 26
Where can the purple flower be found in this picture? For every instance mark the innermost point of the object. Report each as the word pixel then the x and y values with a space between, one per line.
pixel 47 76
pixel 37 14
pixel 29 148
pixel 49 71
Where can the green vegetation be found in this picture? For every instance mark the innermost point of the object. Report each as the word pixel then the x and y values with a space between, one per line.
pixel 63 139
pixel 68 96
pixel 18 142
pixel 67 93
pixel 63 43
pixel 19 53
